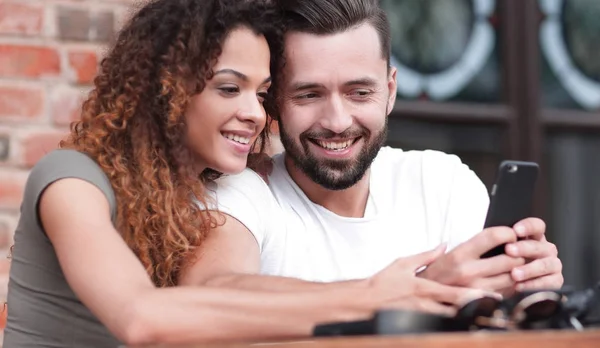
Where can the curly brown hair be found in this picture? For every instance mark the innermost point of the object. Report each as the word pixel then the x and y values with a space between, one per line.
pixel 132 123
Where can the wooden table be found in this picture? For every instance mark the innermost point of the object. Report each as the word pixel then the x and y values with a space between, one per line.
pixel 543 339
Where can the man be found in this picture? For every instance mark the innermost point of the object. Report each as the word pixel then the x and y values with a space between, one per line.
pixel 340 207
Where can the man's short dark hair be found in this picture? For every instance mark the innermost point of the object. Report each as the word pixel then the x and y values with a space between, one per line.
pixel 323 17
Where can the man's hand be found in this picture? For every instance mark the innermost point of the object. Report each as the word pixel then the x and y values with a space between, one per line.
pixel 527 264
pixel 464 266
pixel 543 269
pixel 401 288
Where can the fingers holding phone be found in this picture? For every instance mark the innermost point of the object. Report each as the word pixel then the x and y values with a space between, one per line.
pixel 489 239
pixel 511 200
pixel 543 268
pixel 482 261
pixel 523 264
pixel 512 251
pixel 544 273
pixel 531 228
pixel 531 243
pixel 510 205
pixel 464 267
pixel 398 286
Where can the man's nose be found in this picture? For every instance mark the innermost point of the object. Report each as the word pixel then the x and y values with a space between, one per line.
pixel 336 117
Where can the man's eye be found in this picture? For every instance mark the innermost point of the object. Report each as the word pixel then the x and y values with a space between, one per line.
pixel 362 93
pixel 307 96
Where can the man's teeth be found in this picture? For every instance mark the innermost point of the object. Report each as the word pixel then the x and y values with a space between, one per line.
pixel 335 146
pixel 237 138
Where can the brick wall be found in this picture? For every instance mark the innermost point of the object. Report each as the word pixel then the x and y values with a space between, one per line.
pixel 49 50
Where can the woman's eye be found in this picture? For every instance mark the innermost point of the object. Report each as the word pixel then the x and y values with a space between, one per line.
pixel 229 90
pixel 262 96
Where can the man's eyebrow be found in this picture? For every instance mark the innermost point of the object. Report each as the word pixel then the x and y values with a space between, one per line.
pixel 363 81
pixel 238 74
pixel 301 86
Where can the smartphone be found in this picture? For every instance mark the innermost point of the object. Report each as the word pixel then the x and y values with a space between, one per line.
pixel 511 197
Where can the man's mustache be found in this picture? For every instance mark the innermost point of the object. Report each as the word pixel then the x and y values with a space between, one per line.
pixel 323 134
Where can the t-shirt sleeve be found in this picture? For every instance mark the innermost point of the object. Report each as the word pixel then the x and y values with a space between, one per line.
pixel 62 164
pixel 467 205
pixel 248 199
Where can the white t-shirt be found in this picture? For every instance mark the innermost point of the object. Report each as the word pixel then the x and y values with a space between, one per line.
pixel 418 199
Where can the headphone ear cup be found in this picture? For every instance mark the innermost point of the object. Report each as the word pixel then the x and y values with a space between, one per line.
pixel 481 307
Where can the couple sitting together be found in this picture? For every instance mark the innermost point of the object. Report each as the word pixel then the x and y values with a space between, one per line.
pixel 146 226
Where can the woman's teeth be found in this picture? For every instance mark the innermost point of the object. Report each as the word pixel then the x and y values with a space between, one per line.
pixel 237 138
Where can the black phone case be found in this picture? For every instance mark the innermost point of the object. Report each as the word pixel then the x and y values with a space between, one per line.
pixel 511 197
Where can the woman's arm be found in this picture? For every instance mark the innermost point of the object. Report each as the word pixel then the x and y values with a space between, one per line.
pixel 230 257
pixel 110 280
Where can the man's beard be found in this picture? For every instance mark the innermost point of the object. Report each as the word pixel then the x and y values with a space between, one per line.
pixel 330 173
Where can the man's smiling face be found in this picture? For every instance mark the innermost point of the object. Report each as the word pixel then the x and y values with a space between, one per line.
pixel 337 91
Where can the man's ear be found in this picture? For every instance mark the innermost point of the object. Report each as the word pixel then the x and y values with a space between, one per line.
pixel 392 90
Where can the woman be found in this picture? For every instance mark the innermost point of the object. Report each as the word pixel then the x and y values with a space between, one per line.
pixel 109 220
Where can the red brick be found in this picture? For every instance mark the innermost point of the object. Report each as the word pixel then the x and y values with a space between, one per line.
pixel 66 105
pixel 28 61
pixel 82 25
pixel 83 66
pixel 19 18
pixel 37 145
pixel 11 189
pixel 21 102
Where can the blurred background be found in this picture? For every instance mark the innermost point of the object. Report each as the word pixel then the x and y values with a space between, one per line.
pixel 487 80
pixel 490 80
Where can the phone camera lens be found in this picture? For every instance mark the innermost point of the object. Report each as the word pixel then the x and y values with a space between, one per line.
pixel 512 169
